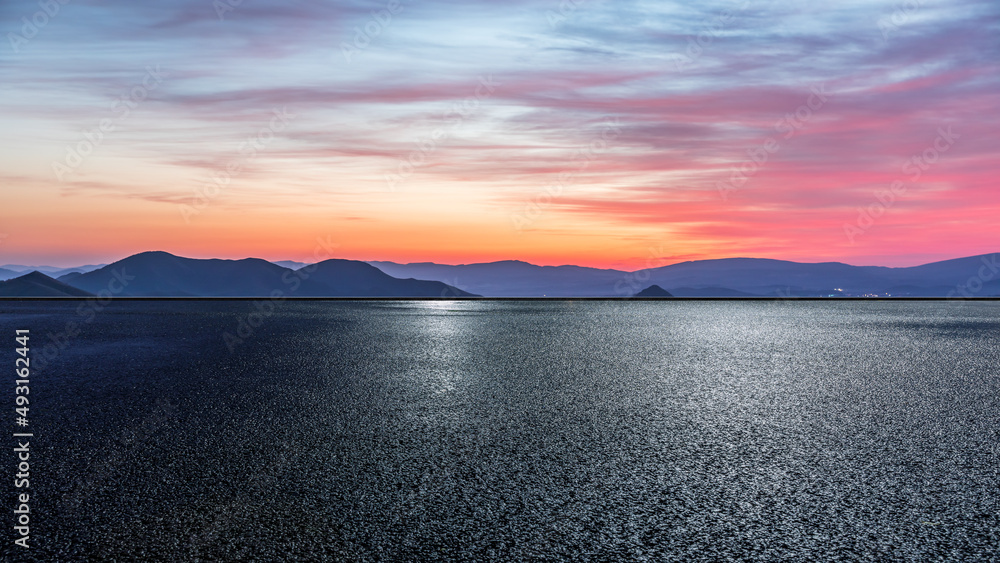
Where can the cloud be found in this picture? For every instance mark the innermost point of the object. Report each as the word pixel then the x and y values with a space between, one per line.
pixel 683 128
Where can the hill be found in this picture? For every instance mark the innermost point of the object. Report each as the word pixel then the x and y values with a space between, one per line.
pixel 160 274
pixel 37 284
pixel 654 291
pixel 727 277
pixel 6 274
pixel 349 278
pixel 514 278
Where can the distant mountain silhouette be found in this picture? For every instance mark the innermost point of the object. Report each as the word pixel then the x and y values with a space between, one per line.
pixel 654 291
pixel 67 278
pixel 290 264
pixel 778 277
pixel 729 277
pixel 37 284
pixel 156 274
pixel 513 278
pixel 51 271
pixel 349 278
pixel 6 274
pixel 160 274
pixel 81 269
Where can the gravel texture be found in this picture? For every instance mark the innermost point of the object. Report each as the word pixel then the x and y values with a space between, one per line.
pixel 515 431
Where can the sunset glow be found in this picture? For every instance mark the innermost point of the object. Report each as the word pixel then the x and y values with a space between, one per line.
pixel 607 134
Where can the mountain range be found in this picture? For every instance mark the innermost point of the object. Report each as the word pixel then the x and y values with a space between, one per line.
pixel 10 271
pixel 159 274
pixel 729 277
pixel 37 284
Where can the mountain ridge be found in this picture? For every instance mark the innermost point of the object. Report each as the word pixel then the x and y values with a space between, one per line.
pixel 741 276
pixel 37 284
pixel 161 274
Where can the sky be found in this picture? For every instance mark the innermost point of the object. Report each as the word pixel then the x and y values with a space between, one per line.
pixel 623 134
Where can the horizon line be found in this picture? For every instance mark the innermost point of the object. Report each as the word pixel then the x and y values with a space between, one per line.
pixel 497 262
pixel 480 298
